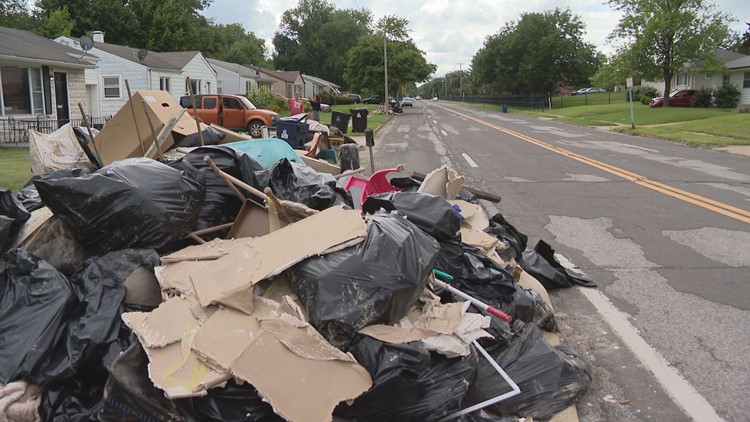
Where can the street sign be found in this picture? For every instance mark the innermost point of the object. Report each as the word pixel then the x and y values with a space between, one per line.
pixel 629 82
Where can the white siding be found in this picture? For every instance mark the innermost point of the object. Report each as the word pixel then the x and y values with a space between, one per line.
pixel 176 82
pixel 737 78
pixel 198 68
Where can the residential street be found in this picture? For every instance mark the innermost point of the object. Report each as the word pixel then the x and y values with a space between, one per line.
pixel 664 229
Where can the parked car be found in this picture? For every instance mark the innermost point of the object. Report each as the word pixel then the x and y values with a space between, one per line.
pixel 678 98
pixel 434 98
pixel 583 91
pixel 356 97
pixel 407 102
pixel 233 112
pixel 375 99
pixel 418 98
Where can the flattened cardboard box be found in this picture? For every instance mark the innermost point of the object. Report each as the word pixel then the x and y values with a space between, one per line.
pixel 229 280
pixel 119 138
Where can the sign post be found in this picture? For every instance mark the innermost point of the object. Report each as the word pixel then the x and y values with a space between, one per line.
pixel 629 83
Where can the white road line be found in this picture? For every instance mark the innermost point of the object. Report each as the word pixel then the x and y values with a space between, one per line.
pixel 443 132
pixel 469 160
pixel 434 121
pixel 637 147
pixel 681 391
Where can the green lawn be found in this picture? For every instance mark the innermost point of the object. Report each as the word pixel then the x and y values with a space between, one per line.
pixel 15 170
pixel 733 129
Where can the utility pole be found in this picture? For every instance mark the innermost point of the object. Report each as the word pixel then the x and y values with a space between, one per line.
pixel 385 62
pixel 461 80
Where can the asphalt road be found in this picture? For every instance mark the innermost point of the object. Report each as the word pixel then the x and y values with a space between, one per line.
pixel 664 229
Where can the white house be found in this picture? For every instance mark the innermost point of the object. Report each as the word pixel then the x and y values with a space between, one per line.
pixel 149 70
pixel 233 78
pixel 694 77
pixel 315 85
pixel 38 80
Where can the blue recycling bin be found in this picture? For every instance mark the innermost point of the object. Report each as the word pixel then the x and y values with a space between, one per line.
pixel 504 107
pixel 292 131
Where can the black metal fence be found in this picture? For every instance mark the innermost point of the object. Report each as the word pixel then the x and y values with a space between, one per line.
pixel 16 130
pixel 542 101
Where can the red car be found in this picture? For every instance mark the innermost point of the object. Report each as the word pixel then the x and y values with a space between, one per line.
pixel 679 98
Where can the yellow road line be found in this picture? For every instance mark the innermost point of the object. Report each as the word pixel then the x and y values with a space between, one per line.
pixel 689 197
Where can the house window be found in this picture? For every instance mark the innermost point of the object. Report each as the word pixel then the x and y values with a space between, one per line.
pixel 683 79
pixel 218 87
pixel 22 91
pixel 164 84
pixel 208 87
pixel 111 87
pixel 746 81
pixel 195 84
pixel 248 87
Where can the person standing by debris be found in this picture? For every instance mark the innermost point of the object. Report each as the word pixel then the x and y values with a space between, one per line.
pixel 296 104
pixel 315 104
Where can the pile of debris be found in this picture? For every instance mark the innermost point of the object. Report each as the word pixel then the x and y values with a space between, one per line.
pixel 212 287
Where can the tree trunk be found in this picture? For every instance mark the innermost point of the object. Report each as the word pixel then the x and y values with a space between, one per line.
pixel 667 90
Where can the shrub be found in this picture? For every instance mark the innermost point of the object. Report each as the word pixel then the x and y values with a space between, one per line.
pixel 340 99
pixel 640 91
pixel 268 101
pixel 325 97
pixel 703 98
pixel 728 96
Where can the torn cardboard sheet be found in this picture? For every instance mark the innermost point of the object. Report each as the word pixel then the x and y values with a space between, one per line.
pixel 473 214
pixel 179 372
pixel 221 340
pixel 481 240
pixel 299 373
pixel 175 278
pixel 164 325
pixel 236 273
pixel 444 328
pixel 208 251
pixel 444 182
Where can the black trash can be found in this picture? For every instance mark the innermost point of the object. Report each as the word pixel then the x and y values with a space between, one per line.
pixel 340 120
pixel 359 119
pixel 293 131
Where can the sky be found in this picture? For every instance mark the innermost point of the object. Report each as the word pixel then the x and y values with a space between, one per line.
pixel 450 31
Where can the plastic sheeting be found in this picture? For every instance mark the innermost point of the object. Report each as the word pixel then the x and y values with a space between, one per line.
pixel 133 203
pixel 503 230
pixel 57 150
pixel 376 281
pixel 29 196
pixel 550 378
pixel 483 278
pixel 433 214
pixel 12 217
pixel 542 264
pixel 299 183
pixel 409 383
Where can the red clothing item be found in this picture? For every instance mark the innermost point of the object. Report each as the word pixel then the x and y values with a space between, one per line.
pixel 296 106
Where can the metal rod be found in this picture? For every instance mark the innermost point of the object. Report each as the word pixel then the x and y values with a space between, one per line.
pixel 476 302
pixel 135 120
pixel 372 161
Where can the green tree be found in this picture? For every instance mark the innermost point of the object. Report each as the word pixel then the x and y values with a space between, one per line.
pixel 314 38
pixel 57 23
pixel 407 64
pixel 538 53
pixel 15 14
pixel 743 43
pixel 662 36
pixel 249 50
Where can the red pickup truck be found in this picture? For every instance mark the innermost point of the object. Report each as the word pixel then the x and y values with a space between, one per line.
pixel 233 112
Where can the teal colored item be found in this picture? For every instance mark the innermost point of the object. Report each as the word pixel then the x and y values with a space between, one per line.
pixel 443 275
pixel 267 152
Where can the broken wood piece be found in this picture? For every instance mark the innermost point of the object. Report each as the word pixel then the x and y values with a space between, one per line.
pixel 163 135
pixel 349 173
pixel 479 194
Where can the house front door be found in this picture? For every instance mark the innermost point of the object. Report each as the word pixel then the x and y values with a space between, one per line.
pixel 61 97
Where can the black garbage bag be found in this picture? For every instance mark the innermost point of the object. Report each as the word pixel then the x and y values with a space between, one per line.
pixel 78 399
pixel 29 196
pixel 550 378
pixel 376 281
pixel 132 203
pixel 300 183
pixel 13 215
pixel 130 396
pixel 528 306
pixel 55 242
pixel 36 304
pixel 484 278
pixel 433 214
pixel 234 403
pixel 210 135
pixel 542 264
pixel 220 205
pixel 408 382
pixel 503 230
